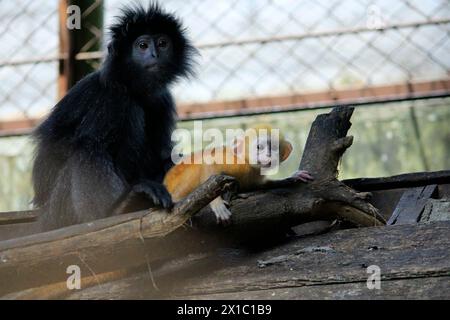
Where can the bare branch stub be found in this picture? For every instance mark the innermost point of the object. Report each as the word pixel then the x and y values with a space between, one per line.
pixel 327 141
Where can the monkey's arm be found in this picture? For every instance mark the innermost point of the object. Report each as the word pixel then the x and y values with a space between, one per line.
pixel 222 213
pixel 298 176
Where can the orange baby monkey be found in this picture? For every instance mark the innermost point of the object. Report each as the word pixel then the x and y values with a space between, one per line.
pixel 247 159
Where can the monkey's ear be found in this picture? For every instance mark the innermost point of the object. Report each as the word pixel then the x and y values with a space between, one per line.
pixel 112 51
pixel 286 149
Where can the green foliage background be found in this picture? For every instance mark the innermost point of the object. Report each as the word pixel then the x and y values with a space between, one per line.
pixel 385 144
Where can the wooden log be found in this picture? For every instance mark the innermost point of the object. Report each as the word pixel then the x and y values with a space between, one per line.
pixel 328 266
pixel 405 252
pixel 98 246
pixel 326 142
pixel 407 180
pixel 412 289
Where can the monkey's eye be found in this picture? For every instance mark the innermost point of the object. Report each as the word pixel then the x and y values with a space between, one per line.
pixel 162 43
pixel 143 45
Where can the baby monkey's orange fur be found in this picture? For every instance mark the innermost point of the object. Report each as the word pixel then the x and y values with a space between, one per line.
pixel 183 178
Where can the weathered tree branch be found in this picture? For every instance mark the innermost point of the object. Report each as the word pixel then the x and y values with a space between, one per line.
pixel 98 246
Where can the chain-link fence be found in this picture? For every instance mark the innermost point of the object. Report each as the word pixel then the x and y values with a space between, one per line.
pixel 265 48
pixel 28 65
pixel 260 54
pixel 249 49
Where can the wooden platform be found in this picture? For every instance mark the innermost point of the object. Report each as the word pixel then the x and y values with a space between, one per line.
pixel 412 254
pixel 414 261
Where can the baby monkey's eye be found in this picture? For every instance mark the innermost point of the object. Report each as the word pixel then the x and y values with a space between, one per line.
pixel 143 45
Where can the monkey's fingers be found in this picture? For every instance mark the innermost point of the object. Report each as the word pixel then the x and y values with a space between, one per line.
pixel 222 213
pixel 163 197
pixel 303 176
pixel 166 201
pixel 155 192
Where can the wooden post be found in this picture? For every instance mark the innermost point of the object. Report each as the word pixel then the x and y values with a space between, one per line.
pixel 66 58
pixel 88 38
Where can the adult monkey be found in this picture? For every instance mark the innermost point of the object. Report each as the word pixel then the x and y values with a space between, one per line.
pixel 108 140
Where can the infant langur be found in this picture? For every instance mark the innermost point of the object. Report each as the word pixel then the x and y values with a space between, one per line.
pixel 249 158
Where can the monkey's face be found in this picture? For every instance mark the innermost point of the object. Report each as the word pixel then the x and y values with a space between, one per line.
pixel 261 150
pixel 269 153
pixel 153 53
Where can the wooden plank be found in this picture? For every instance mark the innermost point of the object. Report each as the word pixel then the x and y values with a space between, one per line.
pixel 408 180
pixel 436 210
pixel 17 216
pixel 141 287
pixel 419 288
pixel 414 261
pixel 411 205
pixel 342 257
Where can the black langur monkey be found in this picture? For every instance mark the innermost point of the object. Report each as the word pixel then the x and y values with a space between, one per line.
pixel 109 139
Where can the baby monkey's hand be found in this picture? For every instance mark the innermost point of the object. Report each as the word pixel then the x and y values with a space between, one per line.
pixel 302 175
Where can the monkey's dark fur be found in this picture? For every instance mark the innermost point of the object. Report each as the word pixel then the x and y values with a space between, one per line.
pixel 109 137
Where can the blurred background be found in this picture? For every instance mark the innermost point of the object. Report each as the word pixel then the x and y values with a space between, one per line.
pixel 278 61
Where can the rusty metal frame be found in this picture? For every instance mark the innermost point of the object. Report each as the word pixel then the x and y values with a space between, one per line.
pixel 310 101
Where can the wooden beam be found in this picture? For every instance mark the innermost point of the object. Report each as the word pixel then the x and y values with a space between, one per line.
pixel 313 100
pixel 65 50
pixel 72 42
pixel 17 216
pixel 296 102
pixel 404 252
pixel 407 180
pixel 414 262
pixel 411 205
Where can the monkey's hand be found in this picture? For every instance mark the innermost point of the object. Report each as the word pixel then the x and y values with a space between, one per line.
pixel 302 175
pixel 156 192
pixel 223 214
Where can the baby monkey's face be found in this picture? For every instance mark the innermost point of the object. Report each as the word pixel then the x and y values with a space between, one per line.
pixel 262 153
pixel 263 147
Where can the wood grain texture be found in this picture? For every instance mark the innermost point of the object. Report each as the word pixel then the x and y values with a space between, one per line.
pixel 411 205
pixel 414 262
pixel 401 252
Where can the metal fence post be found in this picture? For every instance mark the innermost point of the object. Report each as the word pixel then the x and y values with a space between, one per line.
pixel 72 42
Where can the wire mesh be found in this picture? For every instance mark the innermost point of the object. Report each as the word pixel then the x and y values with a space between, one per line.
pixel 248 48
